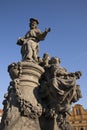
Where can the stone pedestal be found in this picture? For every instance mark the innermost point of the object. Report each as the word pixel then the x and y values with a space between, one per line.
pixel 21 104
pixel 35 98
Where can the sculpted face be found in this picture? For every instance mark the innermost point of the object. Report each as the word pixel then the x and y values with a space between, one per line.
pixel 33 25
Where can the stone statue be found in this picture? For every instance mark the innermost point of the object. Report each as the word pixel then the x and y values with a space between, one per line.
pixel 29 42
pixel 41 92
pixel 58 90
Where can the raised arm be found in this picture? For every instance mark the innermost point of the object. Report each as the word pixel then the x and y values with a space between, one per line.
pixel 42 35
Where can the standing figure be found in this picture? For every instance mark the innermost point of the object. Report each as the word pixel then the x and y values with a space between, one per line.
pixel 29 43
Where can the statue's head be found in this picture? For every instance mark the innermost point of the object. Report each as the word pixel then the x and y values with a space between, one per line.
pixel 55 60
pixel 34 20
pixel 33 23
pixel 46 56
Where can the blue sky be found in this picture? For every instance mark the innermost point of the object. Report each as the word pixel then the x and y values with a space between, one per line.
pixel 67 39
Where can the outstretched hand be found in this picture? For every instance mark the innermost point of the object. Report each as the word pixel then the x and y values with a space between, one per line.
pixel 48 30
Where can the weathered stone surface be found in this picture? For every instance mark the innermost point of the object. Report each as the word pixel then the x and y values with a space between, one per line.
pixel 41 92
pixel 21 105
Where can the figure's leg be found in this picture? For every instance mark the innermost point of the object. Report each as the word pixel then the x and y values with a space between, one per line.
pixel 35 53
pixel 35 49
pixel 29 52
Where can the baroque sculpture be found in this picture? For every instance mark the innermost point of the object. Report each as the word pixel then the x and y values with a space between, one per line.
pixel 41 92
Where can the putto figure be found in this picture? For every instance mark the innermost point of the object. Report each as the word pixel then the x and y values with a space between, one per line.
pixel 29 42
